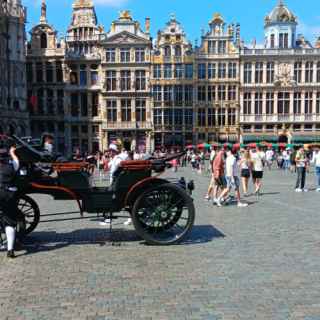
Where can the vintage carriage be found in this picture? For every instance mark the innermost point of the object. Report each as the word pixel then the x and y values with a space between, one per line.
pixel 162 211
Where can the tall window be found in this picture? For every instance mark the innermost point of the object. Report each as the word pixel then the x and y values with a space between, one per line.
pixel 221 92
pixel 297 103
pixel 188 117
pixel 59 71
pixel 318 71
pixel 94 77
pixel 157 117
pixel 157 94
pixel 60 102
pixel 140 55
pixel 247 102
pixel 95 104
pixel 309 72
pixel 29 67
pixel 112 110
pixel 283 103
pixel 270 103
pixel 178 95
pixel 232 93
pixel 178 117
pixel 283 40
pixel 125 110
pixel 111 80
pixel 308 110
pixel 39 72
pixel 222 71
pixel 157 71
pixel 168 117
pixel 212 71
pixel 232 70
pixel 212 47
pixel 140 80
pixel 178 71
pixel 167 51
pixel 247 72
pixel 168 95
pixel 201 71
pixel 232 117
pixel 125 80
pixel 258 103
pixel 125 55
pixel 74 105
pixel 202 93
pixel 49 72
pixel 318 103
pixel 84 104
pixel 177 51
pixel 211 93
pixel 201 117
pixel 211 117
pixel 298 72
pixel 221 117
pixel 189 71
pixel 270 72
pixel 188 95
pixel 50 105
pixel 83 75
pixel 222 45
pixel 272 42
pixel 111 55
pixel 43 41
pixel 167 71
pixel 141 110
pixel 259 72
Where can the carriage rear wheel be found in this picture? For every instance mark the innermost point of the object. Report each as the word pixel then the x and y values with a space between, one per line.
pixel 163 215
pixel 31 212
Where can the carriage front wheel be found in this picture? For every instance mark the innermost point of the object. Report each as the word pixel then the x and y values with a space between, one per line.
pixel 163 215
pixel 31 212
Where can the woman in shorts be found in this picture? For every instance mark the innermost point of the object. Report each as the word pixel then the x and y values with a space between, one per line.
pixel 257 169
pixel 245 167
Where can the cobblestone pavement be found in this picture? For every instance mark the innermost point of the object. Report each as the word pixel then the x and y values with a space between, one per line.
pixel 260 262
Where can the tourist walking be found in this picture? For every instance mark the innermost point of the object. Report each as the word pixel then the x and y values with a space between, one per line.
pixel 269 158
pixel 218 174
pixel 232 179
pixel 245 167
pixel 301 164
pixel 257 158
pixel 316 162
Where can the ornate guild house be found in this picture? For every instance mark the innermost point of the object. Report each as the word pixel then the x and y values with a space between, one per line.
pixel 14 118
pixel 95 86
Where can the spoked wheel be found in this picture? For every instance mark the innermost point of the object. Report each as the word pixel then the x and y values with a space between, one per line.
pixel 31 212
pixel 163 215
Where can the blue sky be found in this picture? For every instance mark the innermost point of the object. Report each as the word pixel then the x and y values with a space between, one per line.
pixel 194 15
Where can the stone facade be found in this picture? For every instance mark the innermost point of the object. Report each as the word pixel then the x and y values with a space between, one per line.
pixel 97 86
pixel 14 115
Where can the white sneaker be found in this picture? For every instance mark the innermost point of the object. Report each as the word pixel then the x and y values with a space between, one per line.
pixel 128 222
pixel 105 223
pixel 218 202
pixel 298 190
pixel 305 190
pixel 318 190
pixel 207 198
pixel 242 205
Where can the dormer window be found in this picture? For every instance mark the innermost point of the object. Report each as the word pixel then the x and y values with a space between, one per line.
pixel 43 41
pixel 272 42
pixel 167 51
pixel 283 41
pixel 177 51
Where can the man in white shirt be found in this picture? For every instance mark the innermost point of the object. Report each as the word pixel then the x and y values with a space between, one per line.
pixel 269 158
pixel 233 181
pixel 257 158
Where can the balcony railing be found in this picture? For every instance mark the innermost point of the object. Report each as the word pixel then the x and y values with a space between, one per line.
pixel 271 118
pixel 126 125
pixel 281 52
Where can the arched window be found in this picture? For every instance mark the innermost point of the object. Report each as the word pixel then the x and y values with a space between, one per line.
pixel 167 51
pixel 43 41
pixel 177 51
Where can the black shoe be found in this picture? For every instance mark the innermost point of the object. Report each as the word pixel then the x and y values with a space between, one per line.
pixel 10 254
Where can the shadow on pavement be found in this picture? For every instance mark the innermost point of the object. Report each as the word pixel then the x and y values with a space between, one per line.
pixel 51 240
